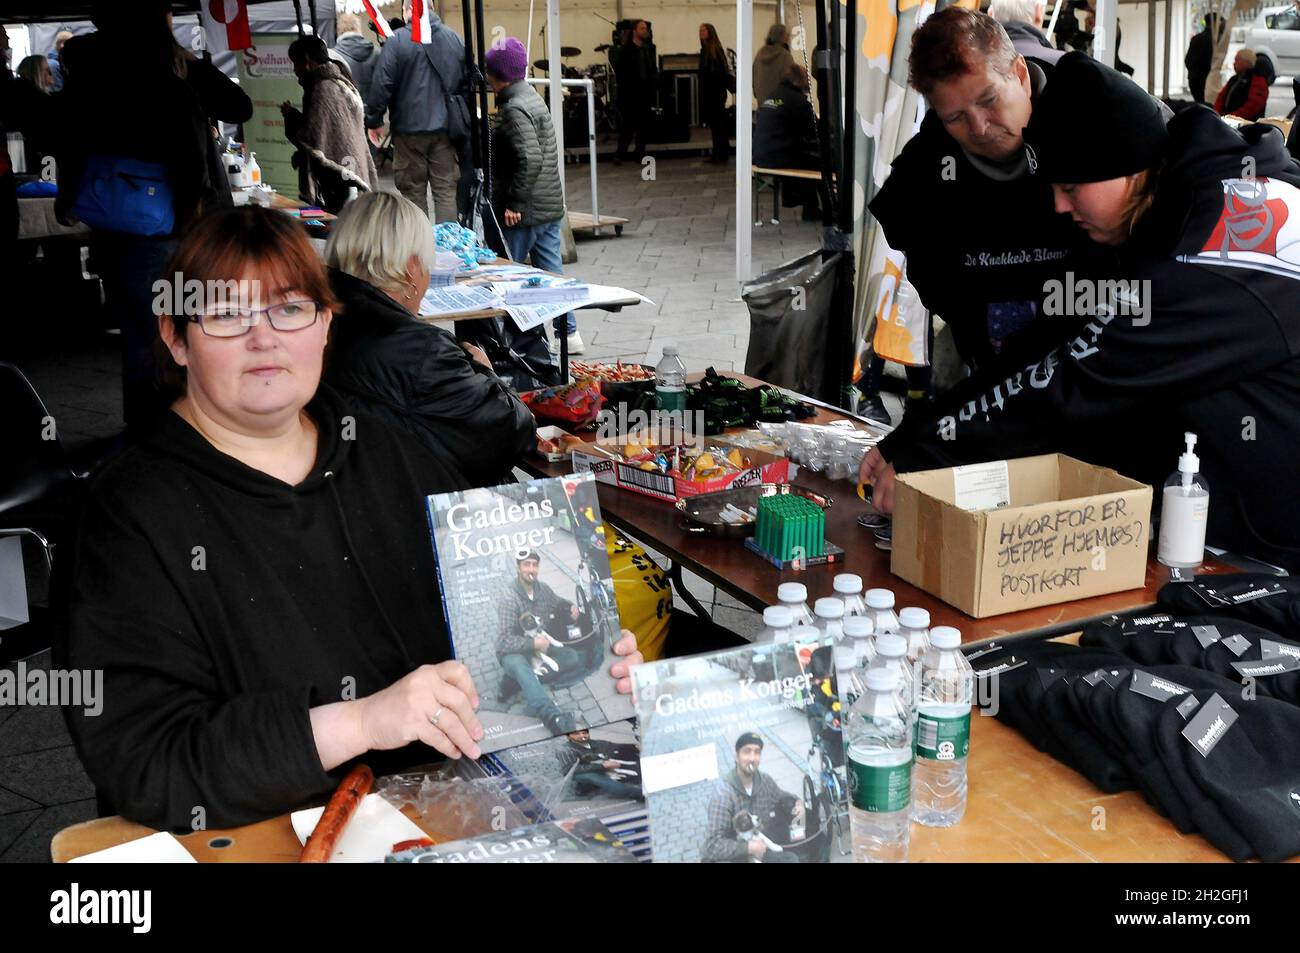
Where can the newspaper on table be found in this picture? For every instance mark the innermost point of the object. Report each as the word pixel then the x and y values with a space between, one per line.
pixel 458 299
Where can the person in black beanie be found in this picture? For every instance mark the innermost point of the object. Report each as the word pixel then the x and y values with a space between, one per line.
pixel 1173 208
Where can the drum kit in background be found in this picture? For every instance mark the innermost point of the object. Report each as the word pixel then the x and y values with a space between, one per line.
pixel 603 92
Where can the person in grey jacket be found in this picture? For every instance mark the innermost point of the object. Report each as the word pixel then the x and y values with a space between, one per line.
pixel 526 192
pixel 418 83
pixel 356 49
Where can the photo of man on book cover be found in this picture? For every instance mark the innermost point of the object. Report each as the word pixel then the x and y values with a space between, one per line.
pixel 739 763
pixel 529 601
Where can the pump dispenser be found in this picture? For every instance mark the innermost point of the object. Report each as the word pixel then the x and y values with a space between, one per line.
pixel 1184 508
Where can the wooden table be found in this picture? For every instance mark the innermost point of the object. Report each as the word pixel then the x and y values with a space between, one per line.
pixel 738 572
pixel 1024 806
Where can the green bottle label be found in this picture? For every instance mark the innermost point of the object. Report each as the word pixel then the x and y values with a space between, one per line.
pixel 943 739
pixel 880 790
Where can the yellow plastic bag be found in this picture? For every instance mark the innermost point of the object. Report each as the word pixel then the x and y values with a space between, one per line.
pixel 642 591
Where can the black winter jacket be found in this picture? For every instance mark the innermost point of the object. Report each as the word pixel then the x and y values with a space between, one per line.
pixel 785 130
pixel 415 376
pixel 1207 341
pixel 222 605
pixel 525 166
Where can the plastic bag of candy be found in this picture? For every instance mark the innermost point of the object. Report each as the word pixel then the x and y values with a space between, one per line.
pixel 575 405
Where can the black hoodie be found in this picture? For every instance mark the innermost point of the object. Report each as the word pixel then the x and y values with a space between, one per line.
pixel 222 604
pixel 1216 351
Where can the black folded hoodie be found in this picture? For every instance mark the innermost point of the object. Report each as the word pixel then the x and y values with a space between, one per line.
pixel 222 604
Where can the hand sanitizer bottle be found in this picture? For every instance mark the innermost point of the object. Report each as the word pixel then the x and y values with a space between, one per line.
pixel 1183 512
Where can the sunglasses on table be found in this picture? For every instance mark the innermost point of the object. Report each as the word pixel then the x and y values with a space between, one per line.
pixel 233 323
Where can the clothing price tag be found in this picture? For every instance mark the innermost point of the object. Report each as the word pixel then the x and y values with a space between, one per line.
pixel 1207 635
pixel 1187 706
pixel 993 671
pixel 1180 575
pixel 1236 644
pixel 1278 665
pixel 1153 686
pixel 660 772
pixel 982 486
pixel 1270 649
pixel 1049 676
pixel 1114 677
pixel 1209 725
pixel 1092 678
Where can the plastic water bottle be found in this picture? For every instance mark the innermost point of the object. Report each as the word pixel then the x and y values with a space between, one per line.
pixel 778 621
pixel 880 606
pixel 848 676
pixel 891 653
pixel 848 587
pixel 830 618
pixel 794 595
pixel 943 731
pixel 670 381
pixel 914 625
pixel 879 755
pixel 859 632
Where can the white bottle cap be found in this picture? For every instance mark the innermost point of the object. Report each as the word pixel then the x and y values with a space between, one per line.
pixel 792 592
pixel 848 583
pixel 670 350
pixel 891 646
pixel 914 618
pixel 845 657
pixel 1189 462
pixel 945 637
pixel 778 617
pixel 859 626
pixel 880 599
pixel 882 679
pixel 829 608
pixel 802 633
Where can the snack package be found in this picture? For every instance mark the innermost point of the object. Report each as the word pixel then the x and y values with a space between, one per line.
pixel 575 405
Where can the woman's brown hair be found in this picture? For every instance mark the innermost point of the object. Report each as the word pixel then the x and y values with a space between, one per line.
pixel 1140 198
pixel 711 46
pixel 226 243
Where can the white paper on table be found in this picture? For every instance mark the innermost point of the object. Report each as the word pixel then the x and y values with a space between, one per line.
pixel 608 294
pixel 530 316
pixel 457 299
pixel 660 772
pixel 160 848
pixel 370 834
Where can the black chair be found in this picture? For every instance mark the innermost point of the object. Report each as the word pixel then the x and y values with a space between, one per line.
pixel 37 480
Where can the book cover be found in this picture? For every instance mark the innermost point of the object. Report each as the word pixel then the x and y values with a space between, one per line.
pixel 529 602
pixel 742 757
pixel 587 773
pixel 576 841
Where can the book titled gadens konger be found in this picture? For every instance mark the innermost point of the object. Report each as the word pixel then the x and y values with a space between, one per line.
pixel 529 601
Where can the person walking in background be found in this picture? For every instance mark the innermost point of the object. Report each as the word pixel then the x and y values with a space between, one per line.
pixel 330 134
pixel 100 128
pixel 418 83
pixel 637 75
pixel 1246 94
pixel 55 57
pixel 716 80
pixel 359 52
pixel 1023 21
pixel 527 196
pixel 772 61
pixel 1200 56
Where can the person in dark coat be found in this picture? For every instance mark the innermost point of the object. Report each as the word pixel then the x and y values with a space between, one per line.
pixel 772 61
pixel 1200 56
pixel 527 193
pixel 636 72
pixel 785 137
pixel 360 54
pixel 98 115
pixel 716 81
pixel 414 375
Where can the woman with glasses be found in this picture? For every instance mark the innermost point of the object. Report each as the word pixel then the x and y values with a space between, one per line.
pixel 415 375
pixel 255 578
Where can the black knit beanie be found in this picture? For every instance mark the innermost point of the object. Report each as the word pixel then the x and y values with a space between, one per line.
pixel 1091 124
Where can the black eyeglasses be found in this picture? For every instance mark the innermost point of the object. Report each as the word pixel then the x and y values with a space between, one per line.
pixel 233 323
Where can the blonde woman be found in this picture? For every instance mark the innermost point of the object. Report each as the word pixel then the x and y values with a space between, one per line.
pixel 415 375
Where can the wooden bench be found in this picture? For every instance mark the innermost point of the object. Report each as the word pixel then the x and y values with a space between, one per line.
pixel 766 177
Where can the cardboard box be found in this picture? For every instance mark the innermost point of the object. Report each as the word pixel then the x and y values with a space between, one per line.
pixel 1070 531
pixel 670 488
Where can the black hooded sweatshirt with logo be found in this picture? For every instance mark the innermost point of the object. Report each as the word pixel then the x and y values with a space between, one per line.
pixel 1211 345
pixel 222 604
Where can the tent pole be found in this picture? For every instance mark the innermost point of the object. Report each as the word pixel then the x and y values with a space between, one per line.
pixel 849 87
pixel 297 12
pixel 744 139
pixel 555 75
pixel 311 8
pixel 1169 29
pixel 1151 47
